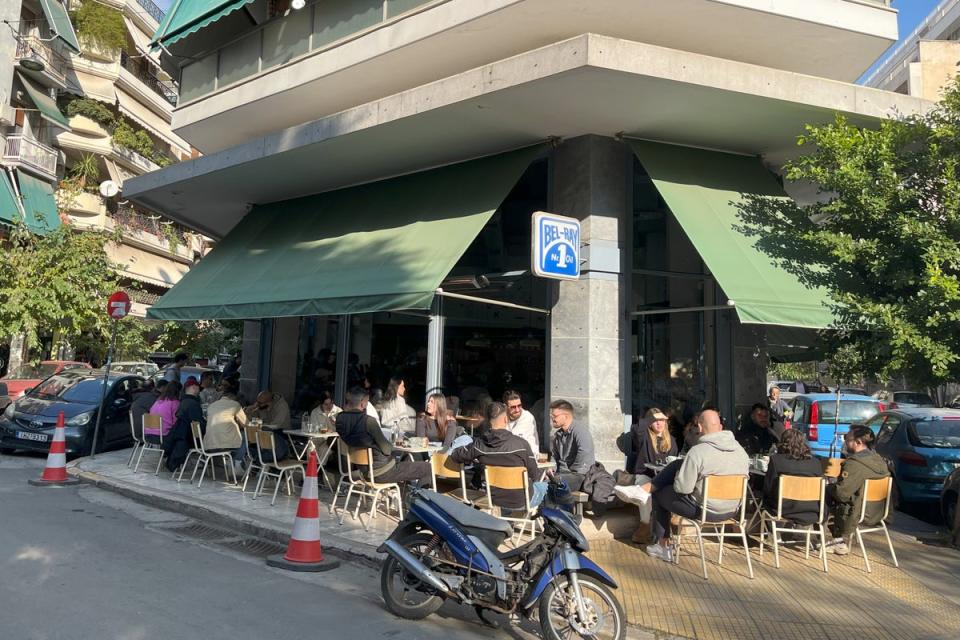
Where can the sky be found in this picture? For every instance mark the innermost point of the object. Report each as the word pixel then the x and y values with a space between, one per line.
pixel 911 13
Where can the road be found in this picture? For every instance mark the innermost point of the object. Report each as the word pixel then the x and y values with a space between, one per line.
pixel 78 563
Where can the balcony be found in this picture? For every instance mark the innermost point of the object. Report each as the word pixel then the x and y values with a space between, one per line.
pixel 143 73
pixel 35 49
pixel 152 10
pixel 134 160
pixel 26 153
pixel 329 57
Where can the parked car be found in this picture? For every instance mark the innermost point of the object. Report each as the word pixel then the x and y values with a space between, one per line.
pixel 195 372
pixel 905 399
pixel 921 447
pixel 144 369
pixel 30 375
pixel 853 391
pixel 28 422
pixel 948 497
pixel 815 414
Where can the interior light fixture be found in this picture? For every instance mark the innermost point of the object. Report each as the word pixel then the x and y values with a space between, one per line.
pixel 296 5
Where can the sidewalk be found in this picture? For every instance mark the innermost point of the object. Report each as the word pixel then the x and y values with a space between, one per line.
pixel 797 602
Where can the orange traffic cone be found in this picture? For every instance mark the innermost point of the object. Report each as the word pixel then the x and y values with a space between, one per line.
pixel 55 473
pixel 304 552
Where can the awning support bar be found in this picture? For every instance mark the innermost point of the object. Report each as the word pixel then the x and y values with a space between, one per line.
pixel 496 303
pixel 656 312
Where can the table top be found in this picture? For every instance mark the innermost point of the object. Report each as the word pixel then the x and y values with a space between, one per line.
pixel 546 464
pixel 304 434
pixel 468 418
pixel 427 449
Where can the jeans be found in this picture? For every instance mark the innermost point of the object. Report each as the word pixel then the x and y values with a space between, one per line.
pixel 406 471
pixel 573 480
pixel 667 501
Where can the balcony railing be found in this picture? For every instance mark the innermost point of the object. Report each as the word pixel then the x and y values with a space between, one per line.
pixel 34 47
pixel 21 150
pixel 143 73
pixel 152 10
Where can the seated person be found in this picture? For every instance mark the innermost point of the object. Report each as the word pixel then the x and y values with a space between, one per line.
pixel 179 441
pixel 223 430
pixel 165 406
pixel 572 446
pixel 208 388
pixel 652 442
pixel 793 458
pixel 499 447
pixel 521 422
pixel 862 463
pixel 758 434
pixel 143 398
pixel 359 430
pixel 274 411
pixel 325 413
pixel 679 488
pixel 394 412
pixel 437 424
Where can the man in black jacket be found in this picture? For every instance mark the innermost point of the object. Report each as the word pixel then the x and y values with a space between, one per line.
pixel 759 434
pixel 179 441
pixel 498 447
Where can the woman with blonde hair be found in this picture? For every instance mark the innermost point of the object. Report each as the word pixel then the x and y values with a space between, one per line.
pixel 652 442
pixel 438 424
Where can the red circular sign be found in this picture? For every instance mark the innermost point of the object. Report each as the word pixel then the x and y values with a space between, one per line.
pixel 118 305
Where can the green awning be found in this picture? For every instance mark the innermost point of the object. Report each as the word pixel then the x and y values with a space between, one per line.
pixel 703 190
pixel 39 205
pixel 60 23
pixel 44 103
pixel 9 211
pixel 189 16
pixel 382 246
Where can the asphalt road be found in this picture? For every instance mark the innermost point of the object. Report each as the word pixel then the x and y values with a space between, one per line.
pixel 78 563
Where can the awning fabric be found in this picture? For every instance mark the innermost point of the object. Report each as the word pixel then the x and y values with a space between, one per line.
pixel 703 190
pixel 376 247
pixel 60 23
pixel 91 86
pixel 9 210
pixel 141 40
pixel 189 16
pixel 145 266
pixel 39 205
pixel 149 120
pixel 44 103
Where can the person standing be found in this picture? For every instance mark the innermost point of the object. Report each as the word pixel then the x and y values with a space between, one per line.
pixel 520 421
pixel 779 410
pixel 572 447
pixel 172 372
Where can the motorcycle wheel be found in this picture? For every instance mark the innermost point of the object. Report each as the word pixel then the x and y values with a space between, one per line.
pixel 400 589
pixel 558 612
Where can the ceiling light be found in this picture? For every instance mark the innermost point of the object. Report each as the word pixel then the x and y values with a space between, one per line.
pixel 298 4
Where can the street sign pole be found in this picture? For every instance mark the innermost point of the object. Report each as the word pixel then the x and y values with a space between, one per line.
pixel 103 392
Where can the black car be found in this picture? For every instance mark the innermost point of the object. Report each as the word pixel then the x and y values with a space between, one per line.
pixel 28 423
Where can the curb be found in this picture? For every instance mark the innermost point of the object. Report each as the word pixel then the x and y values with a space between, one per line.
pixel 224 517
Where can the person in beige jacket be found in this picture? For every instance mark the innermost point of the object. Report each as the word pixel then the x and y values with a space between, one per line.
pixel 223 429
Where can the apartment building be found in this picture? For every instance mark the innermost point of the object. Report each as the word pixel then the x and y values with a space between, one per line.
pixel 370 169
pixel 80 108
pixel 927 60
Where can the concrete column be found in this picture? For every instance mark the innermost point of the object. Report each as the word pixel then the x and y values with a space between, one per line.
pixel 250 364
pixel 588 320
pixel 284 360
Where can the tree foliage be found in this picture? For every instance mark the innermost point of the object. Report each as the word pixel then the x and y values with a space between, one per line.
pixel 883 239
pixel 103 25
pixel 201 338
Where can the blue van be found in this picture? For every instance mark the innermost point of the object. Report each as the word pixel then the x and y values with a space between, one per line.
pixel 815 413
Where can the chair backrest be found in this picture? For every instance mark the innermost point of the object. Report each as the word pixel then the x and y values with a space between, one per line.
pixel 724 488
pixel 265 444
pixel 876 491
pixel 831 467
pixel 197 434
pixel 444 467
pixel 361 457
pixel 251 434
pixel 508 478
pixel 137 437
pixel 802 489
pixel 153 421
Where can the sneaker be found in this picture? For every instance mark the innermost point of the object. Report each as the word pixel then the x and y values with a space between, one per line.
pixel 839 547
pixel 660 551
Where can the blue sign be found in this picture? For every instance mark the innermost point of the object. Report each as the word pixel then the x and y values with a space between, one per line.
pixel 556 246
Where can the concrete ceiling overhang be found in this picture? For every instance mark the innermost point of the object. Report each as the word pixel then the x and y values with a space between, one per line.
pixel 589 84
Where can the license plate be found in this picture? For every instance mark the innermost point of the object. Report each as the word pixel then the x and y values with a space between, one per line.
pixel 27 435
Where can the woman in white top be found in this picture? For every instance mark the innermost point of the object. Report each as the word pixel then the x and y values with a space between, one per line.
pixel 325 414
pixel 394 411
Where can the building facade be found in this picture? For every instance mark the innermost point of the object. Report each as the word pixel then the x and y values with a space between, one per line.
pixel 926 61
pixel 371 166
pixel 77 111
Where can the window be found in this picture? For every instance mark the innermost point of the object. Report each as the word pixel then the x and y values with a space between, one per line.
pixel 799 411
pixel 890 424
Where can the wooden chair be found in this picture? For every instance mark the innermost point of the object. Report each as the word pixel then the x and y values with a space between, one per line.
pixel 443 468
pixel 368 486
pixel 250 433
pixel 343 466
pixel 719 488
pixel 207 458
pixel 509 478
pixel 270 467
pixel 152 443
pixel 875 492
pixel 800 489
pixel 831 467
pixel 137 438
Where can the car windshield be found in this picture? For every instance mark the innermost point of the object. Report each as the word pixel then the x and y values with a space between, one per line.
pixel 33 372
pixel 908 397
pixel 70 388
pixel 942 434
pixel 851 411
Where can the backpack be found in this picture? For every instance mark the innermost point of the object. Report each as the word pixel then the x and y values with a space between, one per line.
pixel 352 428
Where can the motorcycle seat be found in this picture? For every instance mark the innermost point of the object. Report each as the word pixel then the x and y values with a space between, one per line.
pixel 466 515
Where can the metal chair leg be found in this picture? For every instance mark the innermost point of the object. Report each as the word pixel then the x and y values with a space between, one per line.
pixel 206 461
pixel 703 555
pixel 160 462
pixel 776 543
pixel 823 547
pixel 720 536
pixel 863 549
pixel 893 554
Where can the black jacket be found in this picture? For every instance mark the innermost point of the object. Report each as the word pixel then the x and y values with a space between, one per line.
pixel 500 448
pixel 358 430
pixel 756 439
pixel 179 441
pixel 805 512
pixel 644 450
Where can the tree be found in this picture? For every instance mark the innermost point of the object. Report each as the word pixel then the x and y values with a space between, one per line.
pixel 883 240
pixel 200 338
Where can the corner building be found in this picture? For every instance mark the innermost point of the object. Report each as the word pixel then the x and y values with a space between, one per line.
pixel 370 168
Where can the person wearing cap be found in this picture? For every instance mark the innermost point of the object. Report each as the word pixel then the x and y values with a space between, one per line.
pixel 652 442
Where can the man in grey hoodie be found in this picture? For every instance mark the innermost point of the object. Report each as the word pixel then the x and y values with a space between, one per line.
pixel 679 488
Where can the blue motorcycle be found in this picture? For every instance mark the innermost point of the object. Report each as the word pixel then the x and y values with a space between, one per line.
pixel 447 550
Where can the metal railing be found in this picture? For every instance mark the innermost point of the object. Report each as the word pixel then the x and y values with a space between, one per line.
pixel 34 47
pixel 27 151
pixel 152 10
pixel 142 72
